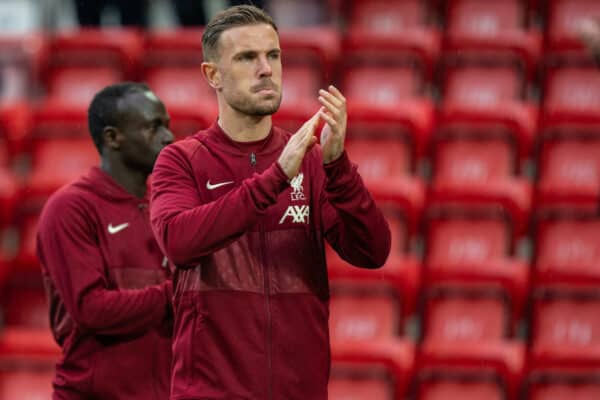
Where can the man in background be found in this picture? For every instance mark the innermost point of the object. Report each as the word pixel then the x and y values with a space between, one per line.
pixel 107 281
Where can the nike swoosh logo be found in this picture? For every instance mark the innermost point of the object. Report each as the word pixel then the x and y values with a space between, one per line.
pixel 116 229
pixel 216 185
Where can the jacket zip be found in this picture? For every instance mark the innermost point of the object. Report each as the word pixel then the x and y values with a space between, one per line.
pixel 267 300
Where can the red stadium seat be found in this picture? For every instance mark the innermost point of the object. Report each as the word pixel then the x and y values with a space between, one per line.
pixel 477 173
pixel 23 55
pixel 401 272
pixel 385 165
pixel 569 173
pixel 27 258
pixel 392 31
pixel 391 362
pixel 25 307
pixel 465 389
pixel 381 84
pixel 388 102
pixel 349 388
pixel 190 101
pixel 464 316
pixel 566 331
pixel 495 32
pixel 300 97
pixel 15 120
pixel 565 390
pixel 571 96
pixel 70 92
pixel 23 344
pixel 56 163
pixel 475 252
pixel 501 361
pixel 117 48
pixel 173 48
pixel 27 383
pixel 9 195
pixel 568 252
pixel 371 316
pixel 316 47
pixel 563 43
pixel 488 101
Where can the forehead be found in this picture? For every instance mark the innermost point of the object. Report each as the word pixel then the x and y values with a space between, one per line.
pixel 258 37
pixel 141 106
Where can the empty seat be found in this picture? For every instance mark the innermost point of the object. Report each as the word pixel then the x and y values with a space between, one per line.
pixel 173 48
pixel 341 388
pixel 25 307
pixel 479 173
pixel 27 383
pixel 15 120
pixel 299 102
pixel 363 316
pixel 70 92
pixel 465 316
pixel 569 174
pixel 492 32
pixel 56 163
pixel 392 31
pixel 9 195
pixel 381 84
pixel 477 253
pixel 315 47
pixel 568 252
pixel 466 389
pixel 27 257
pixel 488 101
pixel 499 363
pixel 563 42
pixel 571 96
pixel 117 48
pixel 389 362
pixel 190 101
pixel 401 272
pixel 564 390
pixel 566 331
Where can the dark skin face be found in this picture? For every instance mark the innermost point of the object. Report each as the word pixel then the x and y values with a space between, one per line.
pixel 130 149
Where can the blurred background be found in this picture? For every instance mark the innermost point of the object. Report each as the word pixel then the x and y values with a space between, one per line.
pixel 475 123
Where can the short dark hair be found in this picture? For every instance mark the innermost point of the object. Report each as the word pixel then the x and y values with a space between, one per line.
pixel 104 108
pixel 230 18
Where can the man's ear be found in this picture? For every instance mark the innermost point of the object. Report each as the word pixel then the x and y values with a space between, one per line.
pixel 112 137
pixel 211 74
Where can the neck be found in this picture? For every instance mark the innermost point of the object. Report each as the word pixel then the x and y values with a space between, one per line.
pixel 134 182
pixel 241 127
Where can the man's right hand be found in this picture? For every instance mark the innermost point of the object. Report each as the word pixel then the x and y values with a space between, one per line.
pixel 293 153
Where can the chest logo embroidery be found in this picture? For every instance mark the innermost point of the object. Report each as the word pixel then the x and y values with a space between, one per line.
pixel 299 214
pixel 297 189
pixel 210 186
pixel 116 229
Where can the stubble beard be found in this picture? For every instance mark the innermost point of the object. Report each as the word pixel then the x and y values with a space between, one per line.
pixel 248 106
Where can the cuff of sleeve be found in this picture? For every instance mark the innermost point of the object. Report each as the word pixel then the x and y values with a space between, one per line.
pixel 341 166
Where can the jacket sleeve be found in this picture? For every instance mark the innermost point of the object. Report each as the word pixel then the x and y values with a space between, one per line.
pixel 67 248
pixel 354 226
pixel 188 228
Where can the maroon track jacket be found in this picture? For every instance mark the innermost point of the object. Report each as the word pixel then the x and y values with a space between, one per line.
pixel 110 300
pixel 251 296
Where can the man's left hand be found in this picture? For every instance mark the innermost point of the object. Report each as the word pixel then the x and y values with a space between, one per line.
pixel 333 134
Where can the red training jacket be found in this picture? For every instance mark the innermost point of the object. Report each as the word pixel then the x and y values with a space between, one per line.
pixel 251 296
pixel 110 300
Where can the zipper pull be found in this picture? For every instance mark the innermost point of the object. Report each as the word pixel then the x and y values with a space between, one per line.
pixel 253 159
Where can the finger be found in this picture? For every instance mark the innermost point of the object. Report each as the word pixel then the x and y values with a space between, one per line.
pixel 329 119
pixel 330 107
pixel 331 98
pixel 337 93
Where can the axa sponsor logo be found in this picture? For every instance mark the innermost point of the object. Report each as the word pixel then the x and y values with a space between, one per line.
pixel 299 214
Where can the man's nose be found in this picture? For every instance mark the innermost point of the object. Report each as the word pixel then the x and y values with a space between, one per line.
pixel 264 67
